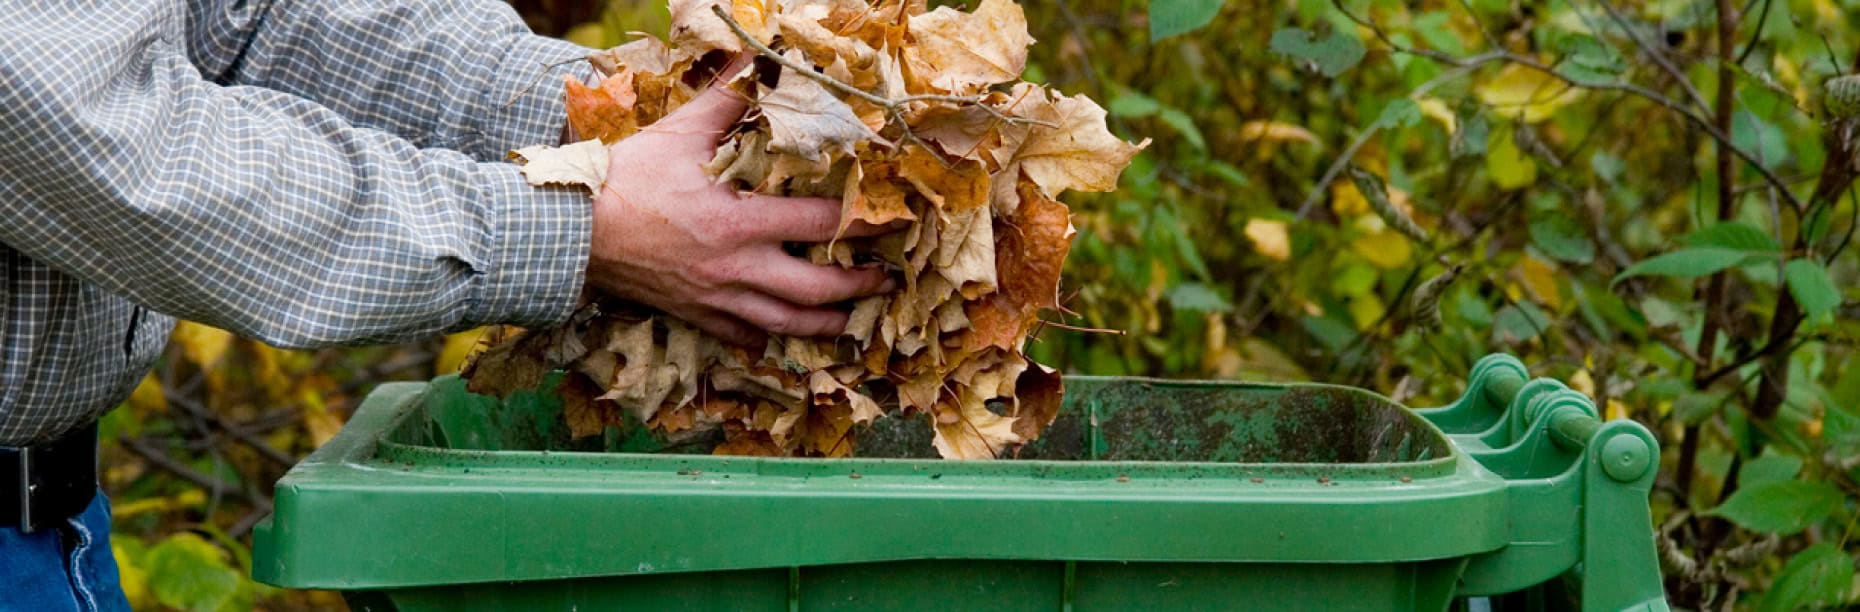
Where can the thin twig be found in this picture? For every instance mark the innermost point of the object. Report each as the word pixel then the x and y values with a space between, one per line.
pixel 161 459
pixel 1659 57
pixel 1463 68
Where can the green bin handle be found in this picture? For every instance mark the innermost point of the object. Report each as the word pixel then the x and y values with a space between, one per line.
pixel 1619 566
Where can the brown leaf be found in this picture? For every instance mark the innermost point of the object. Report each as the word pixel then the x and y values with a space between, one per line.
pixel 963 53
pixel 975 432
pixel 673 421
pixel 873 196
pixel 1037 397
pixel 955 186
pixel 965 252
pixel 647 55
pixel 696 30
pixel 1028 266
pixel 808 122
pixel 743 161
pixel 1081 153
pixel 829 431
pixel 585 413
pixel 605 113
pixel 750 444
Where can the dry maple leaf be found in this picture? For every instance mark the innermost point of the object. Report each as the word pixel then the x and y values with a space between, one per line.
pixel 604 113
pixel 583 163
pixel 1081 153
pixel 962 53
pixel 809 122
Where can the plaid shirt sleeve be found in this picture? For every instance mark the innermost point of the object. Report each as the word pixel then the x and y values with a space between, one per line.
pixel 305 173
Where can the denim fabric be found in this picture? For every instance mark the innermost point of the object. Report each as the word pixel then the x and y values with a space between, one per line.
pixel 65 568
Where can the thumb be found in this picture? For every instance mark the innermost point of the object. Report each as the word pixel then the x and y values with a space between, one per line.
pixel 719 106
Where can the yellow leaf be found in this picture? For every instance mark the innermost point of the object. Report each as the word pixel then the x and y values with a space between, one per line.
pixel 1510 167
pixel 1366 310
pixel 1539 278
pixel 191 498
pixel 201 344
pixel 1582 382
pixel 1616 410
pixel 1518 90
pixel 1384 249
pixel 1347 201
pixel 134 579
pixel 318 420
pixel 1273 131
pixel 456 349
pixel 1434 109
pixel 148 396
pixel 1270 238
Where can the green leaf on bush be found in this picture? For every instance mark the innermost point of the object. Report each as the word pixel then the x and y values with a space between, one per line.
pixel 1690 262
pixel 1695 408
pixel 1133 105
pixel 1399 113
pixel 1562 239
pixel 1517 323
pixel 1781 507
pixel 1197 297
pixel 1816 578
pixel 1814 290
pixel 1184 125
pixel 1772 466
pixel 1736 236
pixel 1175 17
pixel 190 573
pixel 1332 53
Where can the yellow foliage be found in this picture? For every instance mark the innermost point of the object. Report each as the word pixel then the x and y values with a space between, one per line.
pixel 201 344
pixel 1539 278
pixel 1273 131
pixel 191 498
pixel 1509 166
pixel 1382 247
pixel 1270 238
pixel 457 348
pixel 148 396
pixel 1526 92
pixel 1434 109
pixel 134 580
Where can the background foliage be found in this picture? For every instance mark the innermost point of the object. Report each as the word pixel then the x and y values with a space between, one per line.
pixel 1629 203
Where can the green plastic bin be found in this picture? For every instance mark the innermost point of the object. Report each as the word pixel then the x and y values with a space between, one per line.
pixel 1143 495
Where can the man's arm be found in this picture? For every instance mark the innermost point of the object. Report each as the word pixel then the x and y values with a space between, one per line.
pixel 466 75
pixel 255 210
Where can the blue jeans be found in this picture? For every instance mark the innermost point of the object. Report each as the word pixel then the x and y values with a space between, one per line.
pixel 67 567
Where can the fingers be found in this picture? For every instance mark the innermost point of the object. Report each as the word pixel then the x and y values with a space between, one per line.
pixel 783 318
pixel 728 328
pixel 791 219
pixel 801 282
pixel 714 110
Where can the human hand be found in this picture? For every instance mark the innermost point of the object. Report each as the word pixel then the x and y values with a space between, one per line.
pixel 668 236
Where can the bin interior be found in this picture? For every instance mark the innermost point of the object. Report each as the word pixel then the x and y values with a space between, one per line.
pixel 1101 419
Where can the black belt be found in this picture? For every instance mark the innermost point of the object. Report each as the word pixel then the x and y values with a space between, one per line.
pixel 44 484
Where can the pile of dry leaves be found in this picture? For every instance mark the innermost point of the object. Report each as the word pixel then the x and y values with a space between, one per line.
pixel 903 114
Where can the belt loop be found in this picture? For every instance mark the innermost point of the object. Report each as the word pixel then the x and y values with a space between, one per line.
pixel 25 490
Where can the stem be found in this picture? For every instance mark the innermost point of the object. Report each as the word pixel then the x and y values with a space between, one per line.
pixel 1727 200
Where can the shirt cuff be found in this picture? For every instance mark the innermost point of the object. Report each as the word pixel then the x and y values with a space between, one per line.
pixel 538 237
pixel 526 109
